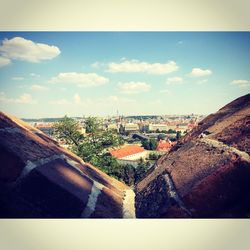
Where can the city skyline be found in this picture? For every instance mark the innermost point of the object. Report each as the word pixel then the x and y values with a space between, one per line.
pixel 51 74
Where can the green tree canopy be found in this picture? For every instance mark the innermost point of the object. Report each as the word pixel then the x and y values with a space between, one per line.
pixel 178 135
pixel 161 137
pixel 93 125
pixel 171 131
pixel 145 144
pixel 153 144
pixel 150 144
pixel 68 129
pixel 141 170
pixel 154 156
pixel 94 147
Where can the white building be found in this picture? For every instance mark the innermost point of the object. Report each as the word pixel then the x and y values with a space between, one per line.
pixel 129 154
pixel 160 127
pixel 113 126
pixel 131 127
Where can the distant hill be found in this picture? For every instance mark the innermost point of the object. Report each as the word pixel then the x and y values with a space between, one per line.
pixel 45 119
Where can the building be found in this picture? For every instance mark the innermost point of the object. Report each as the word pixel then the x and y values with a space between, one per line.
pixel 159 127
pixel 130 127
pixel 164 146
pixel 112 126
pixel 182 127
pixel 129 154
pixel 172 126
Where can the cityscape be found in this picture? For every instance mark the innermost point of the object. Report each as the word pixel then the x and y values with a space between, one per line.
pixel 164 131
pixel 124 125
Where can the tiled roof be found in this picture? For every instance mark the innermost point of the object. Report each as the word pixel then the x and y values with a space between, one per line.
pixel 163 145
pixel 206 176
pixel 126 151
pixel 40 179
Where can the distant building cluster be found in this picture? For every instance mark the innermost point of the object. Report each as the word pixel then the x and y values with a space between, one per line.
pixel 165 130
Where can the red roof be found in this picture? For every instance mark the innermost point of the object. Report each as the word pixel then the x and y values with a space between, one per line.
pixel 126 151
pixel 163 145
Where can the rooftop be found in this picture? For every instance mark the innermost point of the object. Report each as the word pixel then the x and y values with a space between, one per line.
pixel 126 151
pixel 40 179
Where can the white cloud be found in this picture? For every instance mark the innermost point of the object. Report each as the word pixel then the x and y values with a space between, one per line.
pixel 241 83
pixel 174 80
pixel 135 66
pixel 60 102
pixel 197 72
pixel 23 99
pixel 80 79
pixel 4 61
pixel 134 87
pixel 34 75
pixel 180 42
pixel 22 49
pixel 77 99
pixel 38 87
pixel 17 78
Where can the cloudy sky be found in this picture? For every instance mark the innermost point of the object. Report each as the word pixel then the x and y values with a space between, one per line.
pixel 100 73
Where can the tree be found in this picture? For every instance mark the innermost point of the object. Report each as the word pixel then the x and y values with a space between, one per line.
pixel 126 133
pixel 145 144
pixel 146 129
pixel 92 148
pixel 161 137
pixel 171 131
pixel 153 144
pixel 92 125
pixel 140 171
pixel 154 156
pixel 122 130
pixel 178 135
pixel 172 139
pixel 129 174
pixel 150 144
pixel 68 130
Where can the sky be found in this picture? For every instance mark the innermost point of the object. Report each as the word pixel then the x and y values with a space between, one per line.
pixel 52 74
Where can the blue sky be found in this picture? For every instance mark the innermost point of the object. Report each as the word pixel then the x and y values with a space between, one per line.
pixel 50 74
